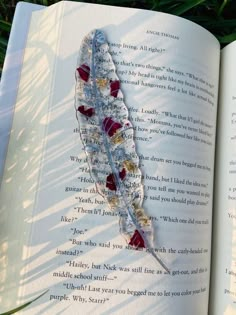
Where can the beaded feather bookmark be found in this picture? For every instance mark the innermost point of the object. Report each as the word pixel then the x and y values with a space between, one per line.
pixel 107 136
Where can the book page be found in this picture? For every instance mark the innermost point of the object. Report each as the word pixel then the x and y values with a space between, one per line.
pixel 12 68
pixel 223 297
pixel 20 177
pixel 168 69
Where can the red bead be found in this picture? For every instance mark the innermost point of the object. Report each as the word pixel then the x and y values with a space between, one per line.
pixel 110 126
pixel 114 88
pixel 89 112
pixel 137 240
pixel 111 182
pixel 122 174
pixel 84 72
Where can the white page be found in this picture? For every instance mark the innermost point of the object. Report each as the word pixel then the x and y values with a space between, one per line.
pixel 11 72
pixel 60 261
pixel 21 171
pixel 223 298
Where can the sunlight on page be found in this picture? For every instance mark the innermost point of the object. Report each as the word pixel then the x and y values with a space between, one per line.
pixel 75 248
pixel 19 185
pixel 223 291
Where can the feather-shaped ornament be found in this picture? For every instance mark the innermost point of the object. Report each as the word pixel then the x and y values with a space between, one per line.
pixel 107 136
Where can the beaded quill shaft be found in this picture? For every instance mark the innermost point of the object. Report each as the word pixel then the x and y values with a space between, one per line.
pixel 107 137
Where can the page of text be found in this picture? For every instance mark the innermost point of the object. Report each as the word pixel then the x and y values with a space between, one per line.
pixel 223 298
pixel 168 69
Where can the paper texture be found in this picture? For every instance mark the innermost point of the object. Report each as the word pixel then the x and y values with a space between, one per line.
pixel 75 249
pixel 223 260
pixel 11 72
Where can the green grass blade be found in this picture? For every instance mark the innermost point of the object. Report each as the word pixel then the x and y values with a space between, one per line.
pixel 222 24
pixel 182 8
pixel 5 26
pixel 224 3
pixel 227 38
pixel 3 42
pixel 24 305
pixel 2 57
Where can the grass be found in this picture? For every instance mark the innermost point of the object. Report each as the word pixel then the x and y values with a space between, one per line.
pixel 218 16
pixel 15 310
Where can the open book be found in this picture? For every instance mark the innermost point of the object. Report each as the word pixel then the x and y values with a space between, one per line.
pixel 58 234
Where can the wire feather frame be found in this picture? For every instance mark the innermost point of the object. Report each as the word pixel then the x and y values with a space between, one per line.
pixel 108 139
